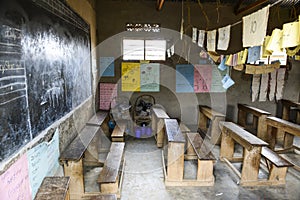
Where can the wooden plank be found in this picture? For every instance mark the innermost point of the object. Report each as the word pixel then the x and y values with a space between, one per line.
pixel 175 161
pixel 184 128
pixel 215 129
pixel 53 188
pixel 209 112
pixel 112 164
pixel 105 197
pixel 119 130
pixel 227 146
pixel 254 111
pixel 205 170
pixel 284 125
pixel 160 113
pixel 74 169
pixel 241 136
pixel 201 150
pixel 75 150
pixel 98 118
pixel 173 131
pixel 274 158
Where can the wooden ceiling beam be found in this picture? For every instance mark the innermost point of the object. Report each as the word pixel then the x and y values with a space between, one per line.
pixel 249 7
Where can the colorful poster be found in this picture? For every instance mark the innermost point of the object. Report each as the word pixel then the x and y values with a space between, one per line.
pixel 108 91
pixel 150 77
pixel 107 66
pixel 217 76
pixel 202 78
pixel 14 183
pixel 184 78
pixel 130 77
pixel 37 166
pixel 52 154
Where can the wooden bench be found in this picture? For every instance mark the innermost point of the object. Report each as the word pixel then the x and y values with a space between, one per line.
pixel 110 178
pixel 158 116
pixel 289 129
pixel 196 149
pixel 54 188
pixel 119 132
pixel 252 146
pixel 277 167
pixel 258 127
pixel 72 159
pixel 287 106
pixel 213 131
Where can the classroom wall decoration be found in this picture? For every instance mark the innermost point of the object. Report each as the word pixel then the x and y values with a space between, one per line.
pixel 202 79
pixel 24 177
pixel 45 68
pixel 107 67
pixel 140 77
pixel 108 91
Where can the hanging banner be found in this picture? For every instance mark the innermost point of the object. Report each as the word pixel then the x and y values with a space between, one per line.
pixel 202 78
pixel 211 41
pixel 184 78
pixel 255 27
pixel 224 37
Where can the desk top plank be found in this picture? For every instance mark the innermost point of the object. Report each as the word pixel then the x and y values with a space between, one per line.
pixel 98 118
pixel 240 135
pixel 160 113
pixel 285 125
pixel 274 158
pixel 75 150
pixel 290 103
pixel 173 131
pixel 53 188
pixel 201 149
pixel 119 130
pixel 210 113
pixel 250 109
pixel 112 163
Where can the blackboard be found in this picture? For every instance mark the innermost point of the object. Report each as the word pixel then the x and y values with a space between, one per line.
pixel 45 68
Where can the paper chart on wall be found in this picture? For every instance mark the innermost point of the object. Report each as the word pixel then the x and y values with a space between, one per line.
pixel 107 92
pixel 255 27
pixel 272 85
pixel 217 76
pixel 280 83
pixel 211 41
pixel 184 78
pixel 14 182
pixel 150 77
pixel 53 154
pixel 37 166
pixel 130 77
pixel 107 67
pixel 255 86
pixel 263 91
pixel 202 78
pixel 290 35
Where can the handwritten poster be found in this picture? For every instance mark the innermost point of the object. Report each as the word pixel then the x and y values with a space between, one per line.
pixel 202 78
pixel 155 49
pixel 184 78
pixel 217 77
pixel 107 92
pixel 224 37
pixel 130 77
pixel 255 27
pixel 211 40
pixel 255 87
pixel 263 91
pixel 150 77
pixel 291 35
pixel 53 154
pixel 37 166
pixel 133 49
pixel 14 183
pixel 107 67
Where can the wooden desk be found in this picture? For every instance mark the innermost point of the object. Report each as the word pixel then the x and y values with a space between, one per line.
pixel 289 129
pixel 252 151
pixel 259 120
pixel 119 132
pixel 287 105
pixel 54 188
pixel 158 116
pixel 213 132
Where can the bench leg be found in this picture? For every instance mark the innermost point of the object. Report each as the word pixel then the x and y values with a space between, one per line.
pixel 75 171
pixel 109 188
pixel 215 130
pixel 262 128
pixel 175 161
pixel 271 136
pixel 205 170
pixel 288 140
pixel 242 116
pixel 202 121
pixel 251 164
pixel 160 133
pixel 227 147
pixel 190 152
pixel 277 174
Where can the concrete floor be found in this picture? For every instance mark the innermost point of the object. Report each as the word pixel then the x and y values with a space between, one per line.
pixel 144 179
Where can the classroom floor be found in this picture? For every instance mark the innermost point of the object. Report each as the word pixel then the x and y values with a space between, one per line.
pixel 144 179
